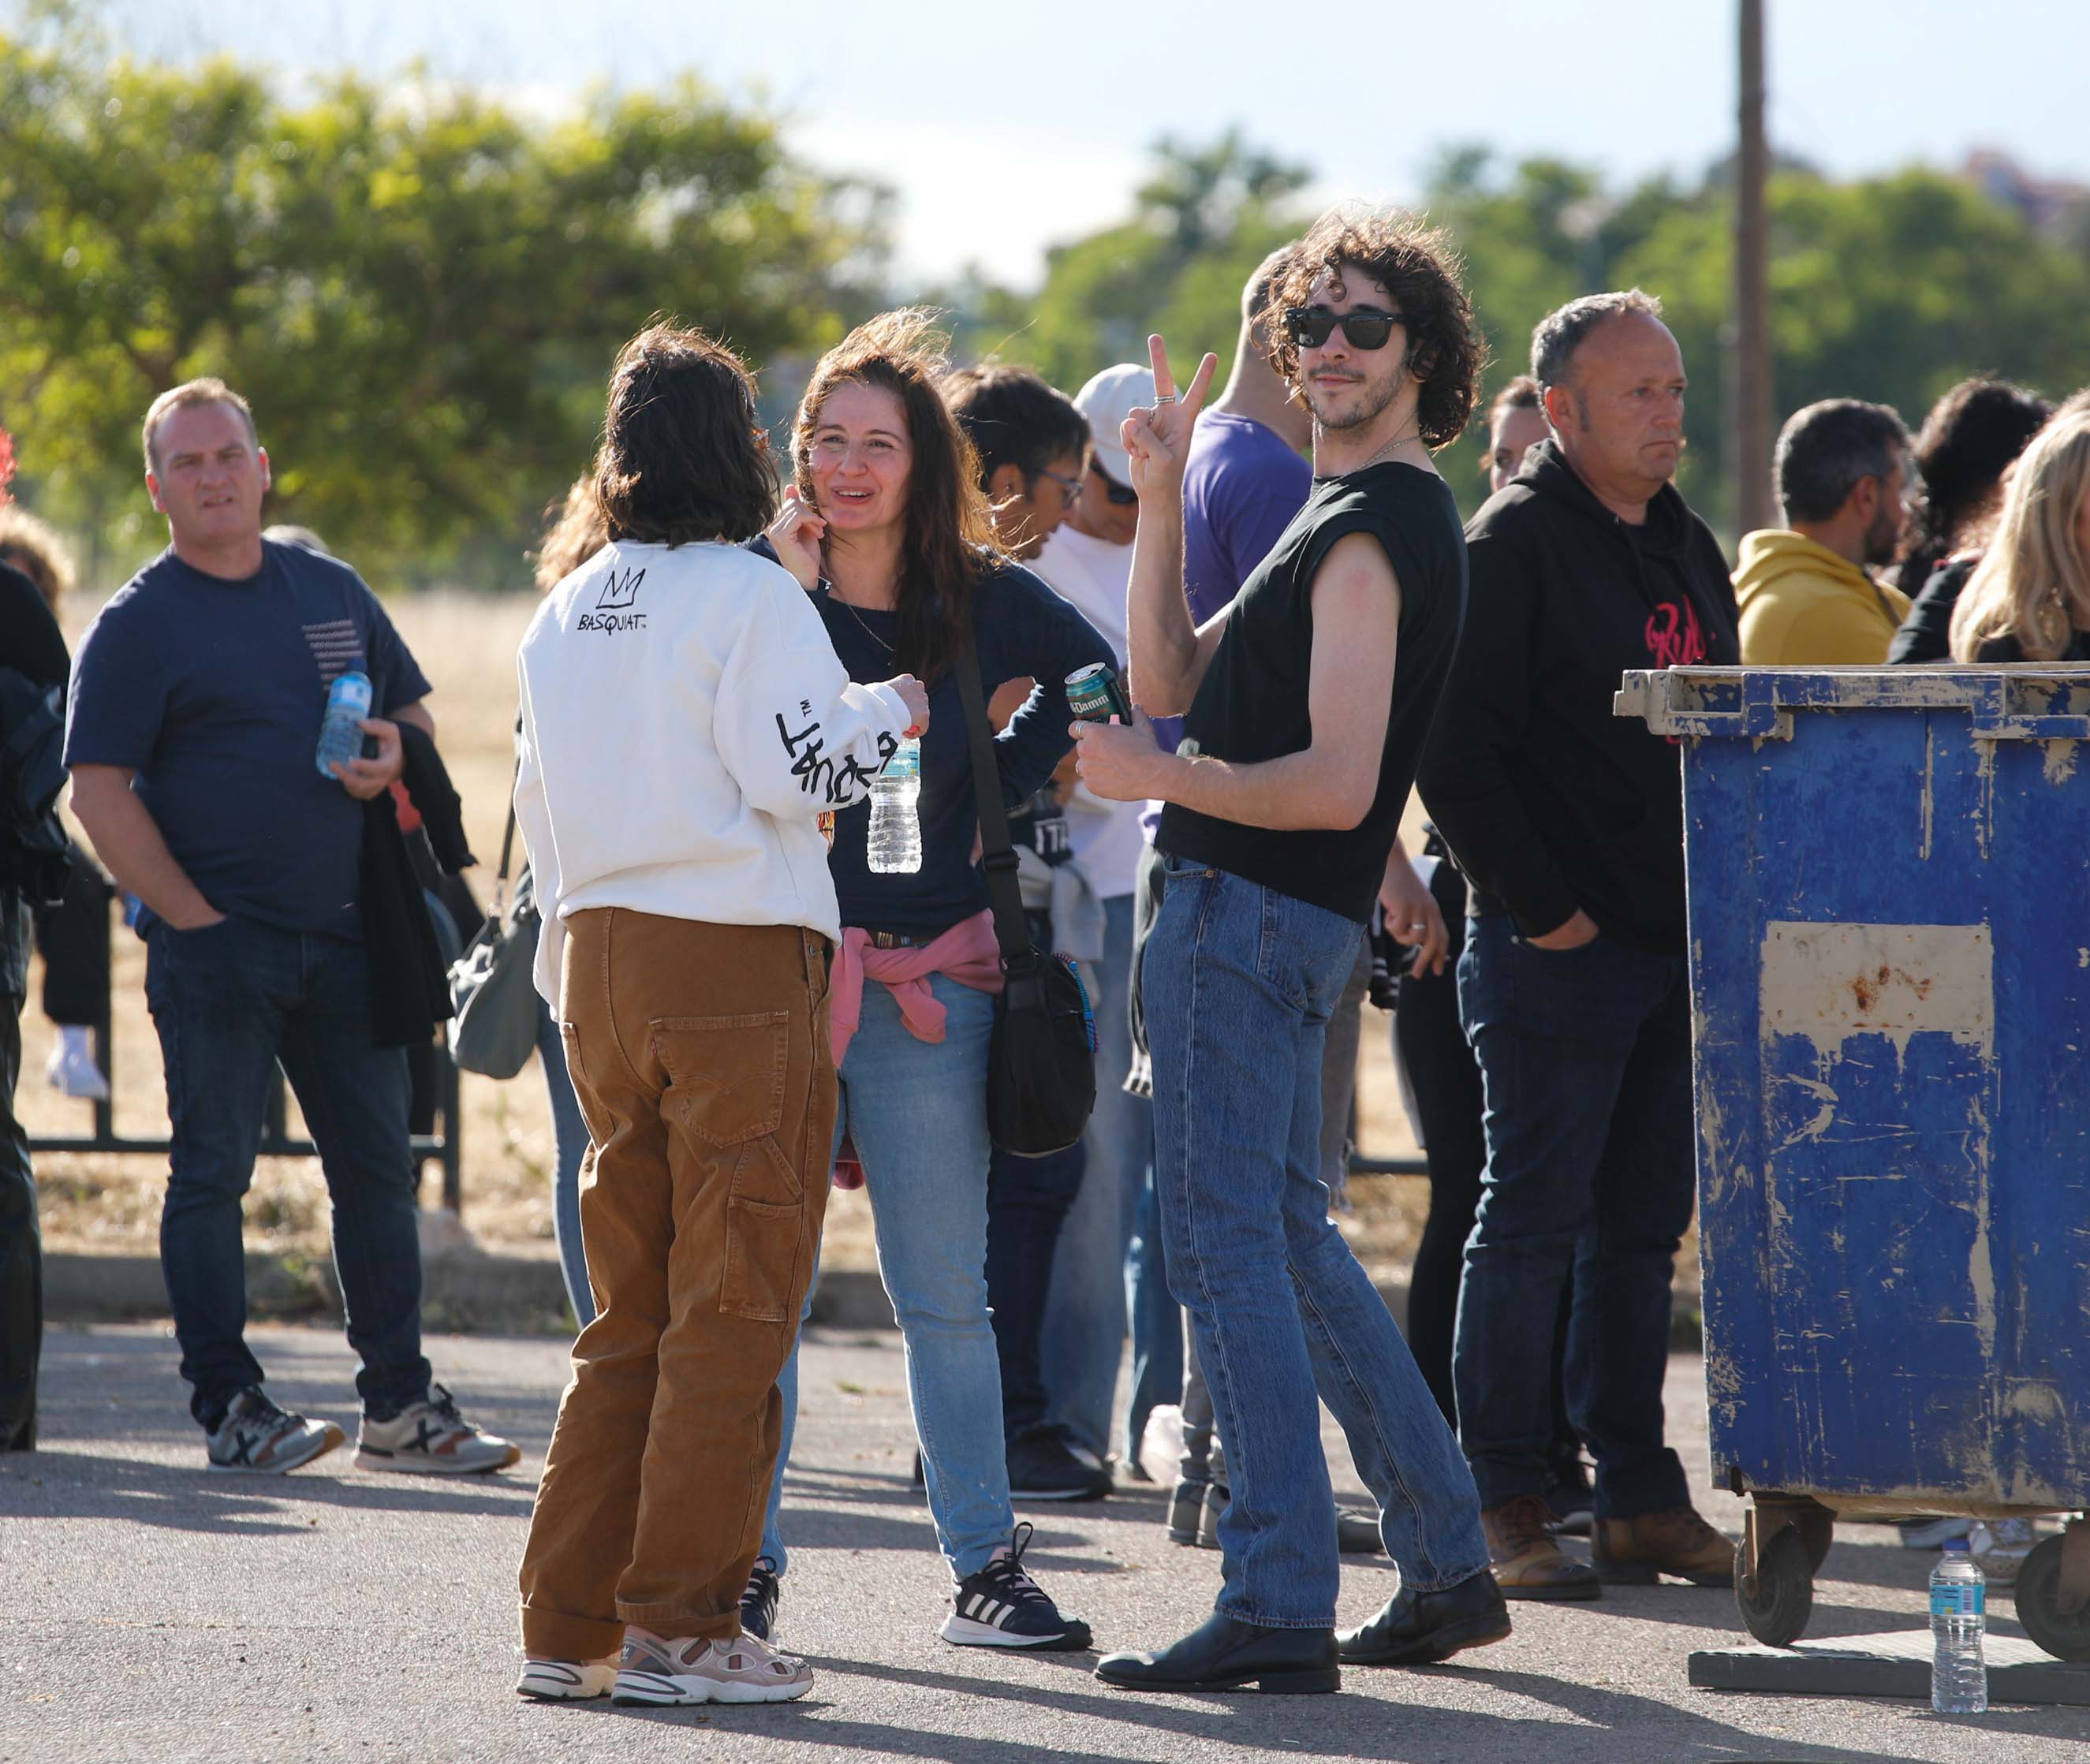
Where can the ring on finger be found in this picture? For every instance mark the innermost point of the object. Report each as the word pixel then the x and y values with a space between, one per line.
pixel 1164 397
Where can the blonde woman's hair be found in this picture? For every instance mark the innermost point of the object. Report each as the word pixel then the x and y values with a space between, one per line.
pixel 34 548
pixel 2033 582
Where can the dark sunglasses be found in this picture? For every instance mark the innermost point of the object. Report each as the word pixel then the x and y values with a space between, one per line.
pixel 1120 495
pixel 1309 326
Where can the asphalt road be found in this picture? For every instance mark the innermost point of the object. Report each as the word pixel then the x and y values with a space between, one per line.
pixel 153 1612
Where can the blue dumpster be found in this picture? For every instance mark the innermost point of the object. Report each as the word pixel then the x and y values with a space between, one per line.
pixel 1889 898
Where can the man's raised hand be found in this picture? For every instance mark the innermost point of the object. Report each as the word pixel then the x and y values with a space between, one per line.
pixel 1157 436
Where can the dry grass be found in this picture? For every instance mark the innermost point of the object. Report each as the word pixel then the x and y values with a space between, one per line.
pixel 466 644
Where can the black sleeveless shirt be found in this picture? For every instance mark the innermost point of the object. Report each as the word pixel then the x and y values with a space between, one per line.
pixel 1252 704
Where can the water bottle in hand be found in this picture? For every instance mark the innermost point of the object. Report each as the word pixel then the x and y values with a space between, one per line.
pixel 895 846
pixel 1958 1596
pixel 341 735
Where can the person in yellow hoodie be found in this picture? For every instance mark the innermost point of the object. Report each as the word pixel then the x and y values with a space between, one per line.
pixel 1806 592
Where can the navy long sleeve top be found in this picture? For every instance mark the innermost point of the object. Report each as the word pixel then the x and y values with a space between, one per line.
pixel 1022 630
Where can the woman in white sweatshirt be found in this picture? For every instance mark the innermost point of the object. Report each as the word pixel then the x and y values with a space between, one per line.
pixel 686 724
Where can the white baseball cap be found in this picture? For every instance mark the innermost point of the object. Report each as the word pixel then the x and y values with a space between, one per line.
pixel 1106 400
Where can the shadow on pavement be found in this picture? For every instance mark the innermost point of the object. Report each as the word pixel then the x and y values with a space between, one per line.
pixel 1350 1727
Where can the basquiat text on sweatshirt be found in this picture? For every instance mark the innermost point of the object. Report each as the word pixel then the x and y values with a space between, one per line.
pixel 686 723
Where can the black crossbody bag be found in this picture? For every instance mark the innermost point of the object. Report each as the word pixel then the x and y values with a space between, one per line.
pixel 1041 1079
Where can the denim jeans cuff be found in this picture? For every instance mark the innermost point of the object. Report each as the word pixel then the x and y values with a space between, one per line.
pixel 1656 1487
pixel 1498 1485
pixel 1264 1620
pixel 1444 1582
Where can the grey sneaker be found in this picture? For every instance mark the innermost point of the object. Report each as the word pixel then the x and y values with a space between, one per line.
pixel 566 1680
pixel 745 1669
pixel 257 1439
pixel 431 1439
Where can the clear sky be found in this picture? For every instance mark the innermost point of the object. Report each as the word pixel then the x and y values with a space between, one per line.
pixel 1004 127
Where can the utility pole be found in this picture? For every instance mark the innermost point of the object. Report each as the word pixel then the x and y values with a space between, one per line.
pixel 1749 356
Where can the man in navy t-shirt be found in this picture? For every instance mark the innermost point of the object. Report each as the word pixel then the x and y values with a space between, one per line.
pixel 192 734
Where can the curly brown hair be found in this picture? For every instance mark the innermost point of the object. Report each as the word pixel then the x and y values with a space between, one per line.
pixel 34 548
pixel 574 532
pixel 683 458
pixel 1419 267
pixel 950 545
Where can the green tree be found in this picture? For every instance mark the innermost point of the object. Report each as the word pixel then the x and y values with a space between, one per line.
pixel 1200 224
pixel 419 290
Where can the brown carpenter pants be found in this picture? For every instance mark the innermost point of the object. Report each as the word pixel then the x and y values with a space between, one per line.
pixel 700 1056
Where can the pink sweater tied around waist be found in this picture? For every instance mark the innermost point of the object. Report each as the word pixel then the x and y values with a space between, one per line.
pixel 967 952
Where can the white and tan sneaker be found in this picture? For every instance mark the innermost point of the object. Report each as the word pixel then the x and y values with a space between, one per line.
pixel 566 1680
pixel 257 1439
pixel 745 1669
pixel 431 1439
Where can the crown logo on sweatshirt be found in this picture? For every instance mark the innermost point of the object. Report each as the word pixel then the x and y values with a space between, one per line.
pixel 621 590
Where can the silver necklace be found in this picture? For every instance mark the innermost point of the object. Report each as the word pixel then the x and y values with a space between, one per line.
pixel 1406 435
pixel 859 618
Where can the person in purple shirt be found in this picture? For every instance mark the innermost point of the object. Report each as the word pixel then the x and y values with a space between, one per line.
pixel 1246 477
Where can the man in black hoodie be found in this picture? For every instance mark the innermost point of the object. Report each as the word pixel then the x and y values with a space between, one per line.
pixel 1574 987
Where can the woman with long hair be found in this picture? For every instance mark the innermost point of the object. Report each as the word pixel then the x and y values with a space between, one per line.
pixel 688 920
pixel 1966 444
pixel 889 529
pixel 2029 598
pixel 573 532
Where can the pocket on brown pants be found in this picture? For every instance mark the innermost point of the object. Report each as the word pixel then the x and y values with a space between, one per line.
pixel 728 1080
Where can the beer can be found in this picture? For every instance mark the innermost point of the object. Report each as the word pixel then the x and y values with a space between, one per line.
pixel 1094 695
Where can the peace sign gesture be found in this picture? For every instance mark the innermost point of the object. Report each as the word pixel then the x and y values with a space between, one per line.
pixel 1158 436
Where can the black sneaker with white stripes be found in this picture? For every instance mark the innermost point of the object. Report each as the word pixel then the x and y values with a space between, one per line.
pixel 1002 1607
pixel 758 1604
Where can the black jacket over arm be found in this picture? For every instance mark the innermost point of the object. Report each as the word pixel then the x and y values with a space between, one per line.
pixel 410 990
pixel 1548 800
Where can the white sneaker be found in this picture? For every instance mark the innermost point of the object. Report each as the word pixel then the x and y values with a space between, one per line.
pixel 432 1439
pixel 746 1669
pixel 1932 1534
pixel 257 1439
pixel 71 1070
pixel 566 1680
pixel 2000 1545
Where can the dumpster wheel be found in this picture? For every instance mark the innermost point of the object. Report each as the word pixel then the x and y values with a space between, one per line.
pixel 1777 1604
pixel 2065 1636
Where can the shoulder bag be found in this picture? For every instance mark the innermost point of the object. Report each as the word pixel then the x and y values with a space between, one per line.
pixel 1041 1083
pixel 493 998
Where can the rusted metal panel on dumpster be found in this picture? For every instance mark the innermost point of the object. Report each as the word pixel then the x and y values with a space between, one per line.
pixel 1890 964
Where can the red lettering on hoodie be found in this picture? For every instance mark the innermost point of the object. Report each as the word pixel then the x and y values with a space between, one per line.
pixel 1674 637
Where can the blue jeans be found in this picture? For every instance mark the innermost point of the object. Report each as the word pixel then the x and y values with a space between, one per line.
pixel 229 1001
pixel 1085 1312
pixel 1585 1058
pixel 917 1112
pixel 1240 981
pixel 1157 1319
pixel 570 1144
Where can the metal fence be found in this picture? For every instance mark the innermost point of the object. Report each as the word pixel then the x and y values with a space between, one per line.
pixel 444 1147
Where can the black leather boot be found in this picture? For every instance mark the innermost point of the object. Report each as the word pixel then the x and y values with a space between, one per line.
pixel 1225 1655
pixel 1420 1628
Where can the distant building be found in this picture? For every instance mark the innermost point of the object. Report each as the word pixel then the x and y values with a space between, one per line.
pixel 2053 207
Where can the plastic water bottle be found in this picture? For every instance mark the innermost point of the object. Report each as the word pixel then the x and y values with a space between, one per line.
pixel 341 735
pixel 895 846
pixel 1958 1599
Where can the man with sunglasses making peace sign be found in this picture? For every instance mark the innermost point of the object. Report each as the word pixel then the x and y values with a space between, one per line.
pixel 1308 701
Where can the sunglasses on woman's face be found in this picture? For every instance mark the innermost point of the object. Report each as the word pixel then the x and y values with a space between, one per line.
pixel 1121 495
pixel 1366 328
